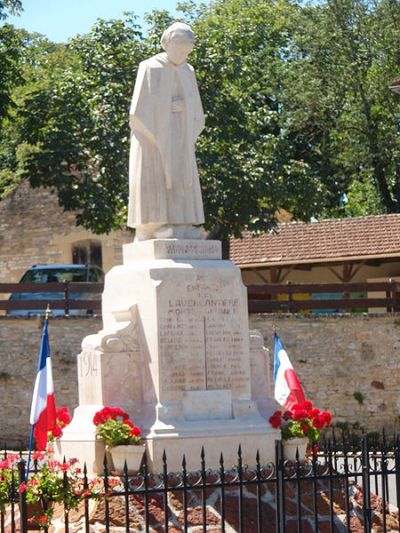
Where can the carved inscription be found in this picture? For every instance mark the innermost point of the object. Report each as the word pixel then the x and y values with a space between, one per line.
pixel 193 249
pixel 202 340
pixel 87 364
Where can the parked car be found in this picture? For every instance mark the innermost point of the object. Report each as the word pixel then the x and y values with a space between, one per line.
pixel 57 274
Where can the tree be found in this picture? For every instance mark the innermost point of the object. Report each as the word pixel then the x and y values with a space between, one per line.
pixel 9 7
pixel 36 57
pixel 10 54
pixel 297 103
pixel 248 164
pixel 340 104
pixel 75 124
pixel 77 127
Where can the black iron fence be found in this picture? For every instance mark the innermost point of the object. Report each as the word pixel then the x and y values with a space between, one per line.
pixel 348 488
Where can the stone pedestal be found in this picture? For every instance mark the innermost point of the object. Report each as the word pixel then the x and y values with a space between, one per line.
pixel 175 353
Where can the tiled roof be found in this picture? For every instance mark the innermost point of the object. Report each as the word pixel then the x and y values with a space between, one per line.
pixel 322 241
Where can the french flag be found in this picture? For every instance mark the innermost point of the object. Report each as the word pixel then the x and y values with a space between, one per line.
pixel 43 409
pixel 288 390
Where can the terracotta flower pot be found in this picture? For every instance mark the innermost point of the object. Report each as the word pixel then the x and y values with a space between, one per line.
pixel 291 446
pixel 132 454
pixel 33 512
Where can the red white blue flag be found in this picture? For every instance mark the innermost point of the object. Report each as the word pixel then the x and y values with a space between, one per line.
pixel 288 390
pixel 43 409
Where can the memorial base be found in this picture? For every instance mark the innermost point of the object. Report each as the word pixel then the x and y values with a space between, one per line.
pixel 176 353
pixel 217 439
pixel 79 441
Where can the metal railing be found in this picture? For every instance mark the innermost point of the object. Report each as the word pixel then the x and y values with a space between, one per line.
pixel 330 297
pixel 353 487
pixel 64 296
pixel 268 298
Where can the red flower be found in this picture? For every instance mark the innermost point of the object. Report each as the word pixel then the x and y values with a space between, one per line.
pixel 326 417
pixel 318 423
pixel 307 405
pixel 117 411
pixel 13 457
pixel 314 412
pixel 42 519
pixel 22 488
pixel 299 414
pixel 305 428
pixel 56 432
pixel 275 420
pixel 5 464
pixel 63 417
pixel 38 456
pixel 135 431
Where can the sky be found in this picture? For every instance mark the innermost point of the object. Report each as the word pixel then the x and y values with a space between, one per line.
pixel 61 19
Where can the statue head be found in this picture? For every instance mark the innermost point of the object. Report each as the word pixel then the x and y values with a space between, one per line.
pixel 178 42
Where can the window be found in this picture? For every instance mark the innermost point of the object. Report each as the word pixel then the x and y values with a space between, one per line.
pixel 87 252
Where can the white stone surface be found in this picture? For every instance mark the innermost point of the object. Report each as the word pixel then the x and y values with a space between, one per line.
pixel 207 405
pixel 220 440
pixel 166 117
pixel 175 354
pixel 261 382
pixel 171 249
pixel 79 440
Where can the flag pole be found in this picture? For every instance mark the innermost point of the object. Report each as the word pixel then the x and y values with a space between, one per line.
pixel 46 318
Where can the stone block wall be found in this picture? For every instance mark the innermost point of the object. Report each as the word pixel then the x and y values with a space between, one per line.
pixel 19 349
pixel 34 229
pixel 347 364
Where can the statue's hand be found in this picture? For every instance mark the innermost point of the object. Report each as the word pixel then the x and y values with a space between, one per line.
pixel 177 104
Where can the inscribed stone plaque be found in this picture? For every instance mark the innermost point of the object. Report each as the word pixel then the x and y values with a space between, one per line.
pixel 203 342
pixel 171 249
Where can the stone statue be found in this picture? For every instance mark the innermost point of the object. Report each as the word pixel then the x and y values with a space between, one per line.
pixel 166 117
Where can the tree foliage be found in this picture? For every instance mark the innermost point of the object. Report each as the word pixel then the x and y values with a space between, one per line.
pixel 76 127
pixel 340 104
pixel 296 98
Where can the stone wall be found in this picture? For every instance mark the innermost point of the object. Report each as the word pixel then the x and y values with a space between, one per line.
pixel 19 348
pixel 34 229
pixel 347 364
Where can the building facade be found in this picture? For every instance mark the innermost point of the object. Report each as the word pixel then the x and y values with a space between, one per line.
pixel 34 229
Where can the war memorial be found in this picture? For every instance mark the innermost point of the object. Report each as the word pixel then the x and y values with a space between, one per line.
pixel 175 350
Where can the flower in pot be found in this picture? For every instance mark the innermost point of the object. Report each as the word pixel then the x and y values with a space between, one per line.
pixel 300 427
pixel 54 482
pixel 8 479
pixel 120 436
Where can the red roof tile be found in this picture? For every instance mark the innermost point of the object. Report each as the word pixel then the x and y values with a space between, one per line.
pixel 322 241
